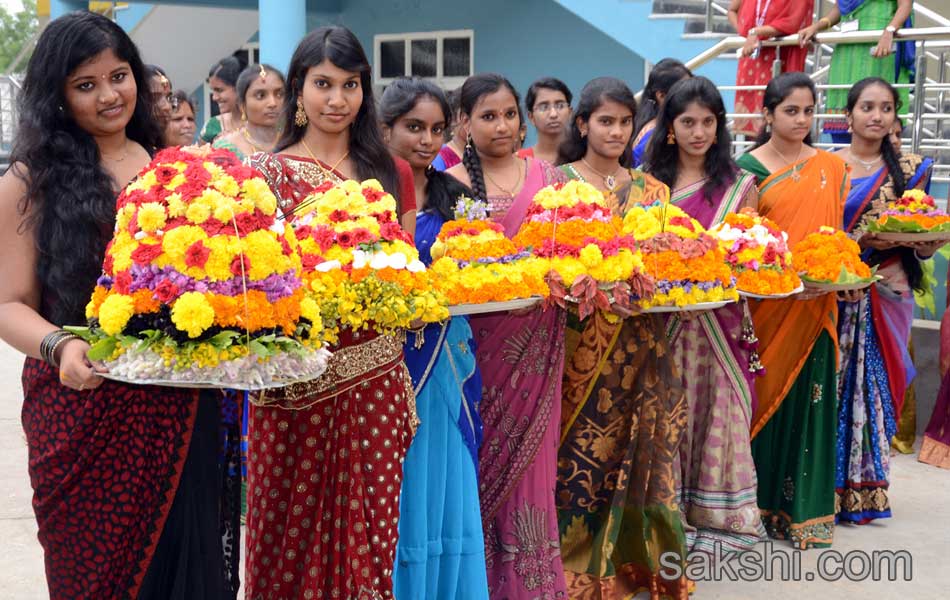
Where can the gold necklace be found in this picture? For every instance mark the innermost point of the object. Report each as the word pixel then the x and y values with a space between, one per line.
pixel 332 169
pixel 867 165
pixel 125 153
pixel 795 165
pixel 511 193
pixel 250 140
pixel 609 180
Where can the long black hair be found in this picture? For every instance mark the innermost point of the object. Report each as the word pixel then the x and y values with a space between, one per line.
pixel 247 77
pixel 228 69
pixel 662 159
pixel 70 199
pixel 367 150
pixel 595 93
pixel 474 89
pixel 662 77
pixel 400 97
pixel 891 157
pixel 776 92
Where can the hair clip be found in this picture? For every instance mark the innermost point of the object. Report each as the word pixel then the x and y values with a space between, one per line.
pixel 263 73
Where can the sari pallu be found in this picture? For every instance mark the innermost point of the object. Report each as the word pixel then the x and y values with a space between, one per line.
pixel 793 426
pixel 325 457
pixel 521 358
pixel 935 449
pixel 875 365
pixel 622 417
pixel 123 479
pixel 717 474
pixel 441 548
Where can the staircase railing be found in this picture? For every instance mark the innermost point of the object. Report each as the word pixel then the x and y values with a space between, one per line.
pixel 9 88
pixel 928 40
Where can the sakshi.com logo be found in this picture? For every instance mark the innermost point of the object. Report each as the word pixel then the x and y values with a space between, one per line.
pixel 765 563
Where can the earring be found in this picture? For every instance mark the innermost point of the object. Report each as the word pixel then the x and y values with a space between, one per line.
pixel 243 116
pixel 768 127
pixel 468 142
pixel 583 134
pixel 670 137
pixel 849 128
pixel 300 118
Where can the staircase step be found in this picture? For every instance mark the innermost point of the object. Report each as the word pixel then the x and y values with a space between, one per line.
pixel 698 25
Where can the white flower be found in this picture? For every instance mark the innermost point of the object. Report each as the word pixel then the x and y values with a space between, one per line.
pixel 398 260
pixel 140 235
pixel 359 259
pixel 379 261
pixel 326 267
pixel 277 227
pixel 416 266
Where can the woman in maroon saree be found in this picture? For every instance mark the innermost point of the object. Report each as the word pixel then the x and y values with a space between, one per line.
pixel 521 357
pixel 325 457
pixel 125 478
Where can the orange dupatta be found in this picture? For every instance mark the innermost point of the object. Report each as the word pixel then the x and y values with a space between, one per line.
pixel 788 329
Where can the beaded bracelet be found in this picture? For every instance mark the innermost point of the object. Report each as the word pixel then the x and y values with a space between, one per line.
pixel 51 343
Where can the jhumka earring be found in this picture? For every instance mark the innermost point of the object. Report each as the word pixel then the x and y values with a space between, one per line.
pixel 670 137
pixel 300 117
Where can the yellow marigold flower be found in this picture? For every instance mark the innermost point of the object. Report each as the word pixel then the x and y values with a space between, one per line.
pixel 124 216
pixel 122 246
pixel 223 251
pixel 151 216
pixel 198 212
pixel 257 191
pixel 176 206
pixel 192 313
pixel 225 184
pixel 591 255
pixel 177 241
pixel 176 181
pixel 144 183
pixel 115 312
pixel 264 252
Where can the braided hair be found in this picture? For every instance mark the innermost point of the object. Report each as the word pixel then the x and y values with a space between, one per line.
pixel 915 274
pixel 474 89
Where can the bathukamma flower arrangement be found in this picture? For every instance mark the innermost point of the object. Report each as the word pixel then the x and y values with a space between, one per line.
pixel 359 265
pixel 829 256
pixel 201 284
pixel 686 263
pixel 914 212
pixel 474 263
pixel 757 251
pixel 590 260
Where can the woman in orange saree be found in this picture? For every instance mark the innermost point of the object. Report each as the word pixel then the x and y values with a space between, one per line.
pixel 793 426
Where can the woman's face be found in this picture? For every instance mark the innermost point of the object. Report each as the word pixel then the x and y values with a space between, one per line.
pixel 181 128
pixel 223 94
pixel 263 100
pixel 551 111
pixel 331 97
pixel 609 129
pixel 874 113
pixel 417 135
pixel 494 123
pixel 896 131
pixel 100 95
pixel 695 129
pixel 792 118
pixel 161 90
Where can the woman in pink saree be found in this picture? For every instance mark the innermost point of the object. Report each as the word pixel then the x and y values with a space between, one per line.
pixel 521 357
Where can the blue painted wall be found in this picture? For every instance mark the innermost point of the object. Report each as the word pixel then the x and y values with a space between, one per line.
pixel 523 40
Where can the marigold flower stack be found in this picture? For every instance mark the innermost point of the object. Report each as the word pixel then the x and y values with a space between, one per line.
pixel 914 212
pixel 360 266
pixel 829 256
pixel 757 251
pixel 201 284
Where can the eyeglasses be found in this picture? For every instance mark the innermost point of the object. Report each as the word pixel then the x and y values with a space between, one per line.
pixel 546 106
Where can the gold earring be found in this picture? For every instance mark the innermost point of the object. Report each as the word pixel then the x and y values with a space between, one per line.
pixel 300 118
pixel 670 137
pixel 243 116
pixel 583 134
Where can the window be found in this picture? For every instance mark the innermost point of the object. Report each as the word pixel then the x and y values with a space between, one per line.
pixel 446 57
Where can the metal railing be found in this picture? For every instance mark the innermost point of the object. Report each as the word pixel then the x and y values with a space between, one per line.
pixel 927 94
pixel 9 88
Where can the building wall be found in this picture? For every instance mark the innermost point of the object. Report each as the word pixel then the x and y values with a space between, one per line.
pixel 523 40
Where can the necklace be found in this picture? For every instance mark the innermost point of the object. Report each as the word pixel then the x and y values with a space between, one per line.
pixel 250 140
pixel 331 170
pixel 514 188
pixel 125 153
pixel 795 164
pixel 866 164
pixel 609 180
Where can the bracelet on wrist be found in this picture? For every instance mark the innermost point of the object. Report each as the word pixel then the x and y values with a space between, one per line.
pixel 51 342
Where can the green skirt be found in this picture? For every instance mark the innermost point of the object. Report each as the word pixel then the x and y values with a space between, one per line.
pixel 794 455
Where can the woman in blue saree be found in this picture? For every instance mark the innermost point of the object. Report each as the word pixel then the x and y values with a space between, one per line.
pixel 440 553
pixel 875 367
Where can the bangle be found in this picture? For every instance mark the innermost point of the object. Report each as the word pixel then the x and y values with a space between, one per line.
pixel 52 353
pixel 919 257
pixel 51 342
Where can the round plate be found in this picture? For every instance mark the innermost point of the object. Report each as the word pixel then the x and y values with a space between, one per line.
pixel 798 290
pixel 926 236
pixel 490 307
pixel 689 307
pixel 201 385
pixel 837 287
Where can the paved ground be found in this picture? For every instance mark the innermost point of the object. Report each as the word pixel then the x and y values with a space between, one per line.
pixel 920 496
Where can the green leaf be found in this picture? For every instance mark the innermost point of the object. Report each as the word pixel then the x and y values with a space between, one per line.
pixel 259 349
pixel 223 339
pixel 102 349
pixel 926 299
pixel 83 332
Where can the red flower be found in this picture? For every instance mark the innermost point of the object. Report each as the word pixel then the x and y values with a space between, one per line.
pixel 338 216
pixel 383 217
pixel 768 257
pixel 323 236
pixel 362 236
pixel 107 264
pixel 145 254
pixel 309 261
pixel 165 173
pixel 372 195
pixel 683 222
pixel 240 266
pixel 197 255
pixel 326 186
pixel 246 223
pixel 214 227
pixel 345 239
pixel 166 291
pixel 391 231
pixel 122 282
pixel 285 247
pixel 303 231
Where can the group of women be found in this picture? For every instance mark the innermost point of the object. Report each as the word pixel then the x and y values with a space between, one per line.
pixel 512 455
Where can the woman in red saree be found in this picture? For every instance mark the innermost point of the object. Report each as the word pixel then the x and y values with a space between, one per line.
pixel 793 427
pixel 325 457
pixel 126 479
pixel 759 20
pixel 521 357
